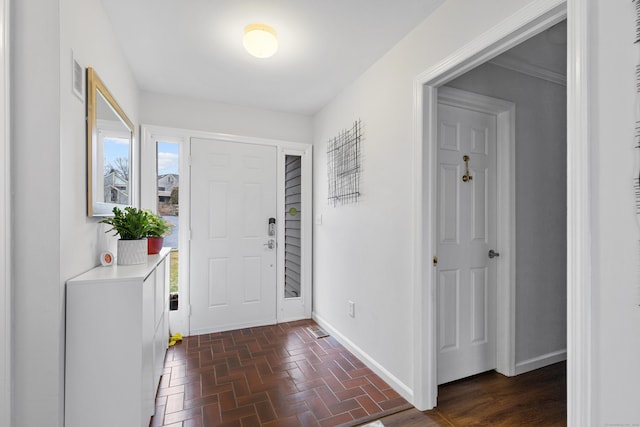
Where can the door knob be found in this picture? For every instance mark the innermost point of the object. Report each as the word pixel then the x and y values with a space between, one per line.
pixel 493 254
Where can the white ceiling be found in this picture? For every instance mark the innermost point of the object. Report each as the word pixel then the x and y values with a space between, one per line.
pixel 194 48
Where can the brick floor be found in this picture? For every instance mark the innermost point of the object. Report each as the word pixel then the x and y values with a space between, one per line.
pixel 276 375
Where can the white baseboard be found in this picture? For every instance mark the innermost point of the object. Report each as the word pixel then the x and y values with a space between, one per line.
pixel 292 319
pixel 540 361
pixel 401 388
pixel 232 327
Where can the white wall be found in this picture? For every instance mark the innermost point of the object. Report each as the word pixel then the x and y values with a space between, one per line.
pixel 363 252
pixel 615 233
pixel 54 240
pixel 541 205
pixel 85 29
pixel 49 167
pixel 194 114
pixel 38 318
pixel 6 335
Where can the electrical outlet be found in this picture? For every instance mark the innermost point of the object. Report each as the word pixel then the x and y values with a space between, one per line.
pixel 351 308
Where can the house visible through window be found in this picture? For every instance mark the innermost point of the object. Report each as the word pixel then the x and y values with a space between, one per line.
pixel 168 167
pixel 292 226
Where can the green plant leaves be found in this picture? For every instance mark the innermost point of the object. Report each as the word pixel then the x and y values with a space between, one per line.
pixel 135 224
pixel 158 227
pixel 132 224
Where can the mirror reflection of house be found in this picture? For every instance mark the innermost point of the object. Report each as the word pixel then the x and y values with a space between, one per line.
pixel 116 188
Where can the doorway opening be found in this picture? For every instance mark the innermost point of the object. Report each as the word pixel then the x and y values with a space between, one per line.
pixel 531 233
pixel 471 276
pixel 233 220
pixel 292 226
pixel 512 32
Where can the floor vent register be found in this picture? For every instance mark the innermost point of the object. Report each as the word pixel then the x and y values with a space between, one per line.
pixel 317 332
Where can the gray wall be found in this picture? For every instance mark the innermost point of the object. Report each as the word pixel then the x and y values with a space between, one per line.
pixel 541 299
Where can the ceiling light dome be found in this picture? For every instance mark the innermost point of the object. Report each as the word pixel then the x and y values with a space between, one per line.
pixel 260 40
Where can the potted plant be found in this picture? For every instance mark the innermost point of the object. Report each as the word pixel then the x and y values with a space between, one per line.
pixel 132 225
pixel 158 228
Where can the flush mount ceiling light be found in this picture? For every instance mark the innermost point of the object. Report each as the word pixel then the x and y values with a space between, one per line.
pixel 260 40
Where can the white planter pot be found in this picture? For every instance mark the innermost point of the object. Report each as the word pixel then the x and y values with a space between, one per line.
pixel 132 252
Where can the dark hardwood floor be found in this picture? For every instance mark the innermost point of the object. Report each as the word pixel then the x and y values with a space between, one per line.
pixel 282 376
pixel 536 398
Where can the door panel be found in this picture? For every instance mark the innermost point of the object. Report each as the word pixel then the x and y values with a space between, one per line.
pixel 233 271
pixel 448 289
pixel 479 214
pixel 479 295
pixel 467 230
pixel 218 282
pixel 479 141
pixel 449 200
pixel 218 206
pixel 448 136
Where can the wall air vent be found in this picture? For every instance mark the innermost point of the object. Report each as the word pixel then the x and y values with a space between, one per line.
pixel 77 74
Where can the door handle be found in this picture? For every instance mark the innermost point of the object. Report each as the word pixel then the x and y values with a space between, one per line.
pixel 271 244
pixel 493 254
pixel 466 177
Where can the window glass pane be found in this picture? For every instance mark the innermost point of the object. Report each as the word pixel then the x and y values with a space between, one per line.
pixel 168 166
pixel 292 222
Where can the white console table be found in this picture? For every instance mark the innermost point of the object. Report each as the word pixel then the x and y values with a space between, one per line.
pixel 117 332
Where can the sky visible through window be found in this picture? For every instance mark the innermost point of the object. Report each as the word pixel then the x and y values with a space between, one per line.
pixel 115 148
pixel 168 158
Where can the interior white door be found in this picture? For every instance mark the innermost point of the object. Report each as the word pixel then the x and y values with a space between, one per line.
pixel 466 232
pixel 233 255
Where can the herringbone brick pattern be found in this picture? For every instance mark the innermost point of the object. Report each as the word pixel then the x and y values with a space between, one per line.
pixel 276 375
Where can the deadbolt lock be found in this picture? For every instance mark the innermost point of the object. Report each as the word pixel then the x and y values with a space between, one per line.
pixel 435 261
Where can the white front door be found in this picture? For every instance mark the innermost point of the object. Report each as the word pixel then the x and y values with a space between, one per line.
pixel 466 232
pixel 233 256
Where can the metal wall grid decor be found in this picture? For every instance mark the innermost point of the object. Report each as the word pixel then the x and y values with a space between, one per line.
pixel 343 165
pixel 636 181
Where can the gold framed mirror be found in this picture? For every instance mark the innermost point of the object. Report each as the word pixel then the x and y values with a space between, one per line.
pixel 110 151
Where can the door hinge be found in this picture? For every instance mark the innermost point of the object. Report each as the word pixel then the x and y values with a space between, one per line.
pixel 435 261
